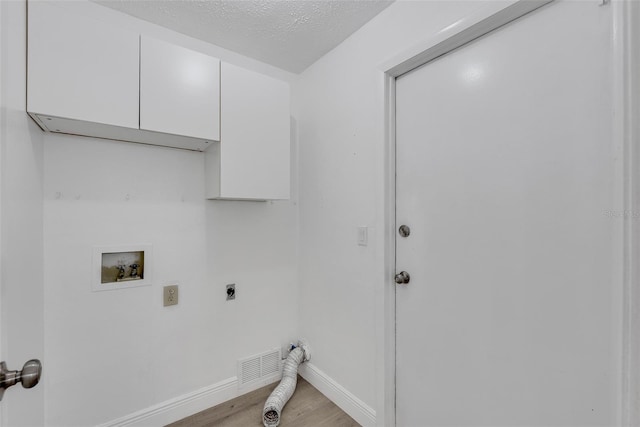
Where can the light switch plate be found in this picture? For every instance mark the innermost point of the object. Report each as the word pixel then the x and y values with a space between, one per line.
pixel 170 295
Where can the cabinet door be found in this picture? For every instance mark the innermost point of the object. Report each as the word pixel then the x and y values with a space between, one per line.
pixel 255 145
pixel 81 69
pixel 179 90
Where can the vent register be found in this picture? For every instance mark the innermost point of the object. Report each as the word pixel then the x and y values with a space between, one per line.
pixel 259 369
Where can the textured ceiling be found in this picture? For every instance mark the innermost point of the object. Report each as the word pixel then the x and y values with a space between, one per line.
pixel 289 34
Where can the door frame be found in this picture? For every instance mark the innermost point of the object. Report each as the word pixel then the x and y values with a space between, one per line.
pixel 626 74
pixel 627 57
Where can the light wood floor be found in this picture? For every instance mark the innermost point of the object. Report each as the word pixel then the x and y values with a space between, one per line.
pixel 306 408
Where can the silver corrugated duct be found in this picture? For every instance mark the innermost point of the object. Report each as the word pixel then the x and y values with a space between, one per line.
pixel 281 395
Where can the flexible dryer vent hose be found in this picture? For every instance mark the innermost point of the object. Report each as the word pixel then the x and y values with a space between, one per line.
pixel 281 395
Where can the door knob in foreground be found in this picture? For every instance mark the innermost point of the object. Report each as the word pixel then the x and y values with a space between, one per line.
pixel 402 278
pixel 29 376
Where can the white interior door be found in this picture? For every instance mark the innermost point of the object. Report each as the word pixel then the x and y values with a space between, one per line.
pixel 505 176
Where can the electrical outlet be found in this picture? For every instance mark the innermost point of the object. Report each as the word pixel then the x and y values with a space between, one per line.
pixel 231 291
pixel 170 295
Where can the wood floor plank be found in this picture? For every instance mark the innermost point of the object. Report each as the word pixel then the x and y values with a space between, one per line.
pixel 306 408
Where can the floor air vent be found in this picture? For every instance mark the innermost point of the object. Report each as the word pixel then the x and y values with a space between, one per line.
pixel 261 369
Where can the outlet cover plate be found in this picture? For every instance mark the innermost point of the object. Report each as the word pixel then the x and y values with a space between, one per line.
pixel 170 295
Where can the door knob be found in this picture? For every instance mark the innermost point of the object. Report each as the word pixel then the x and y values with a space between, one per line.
pixel 402 278
pixel 29 376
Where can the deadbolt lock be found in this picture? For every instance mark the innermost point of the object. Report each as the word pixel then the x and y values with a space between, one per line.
pixel 402 278
pixel 404 230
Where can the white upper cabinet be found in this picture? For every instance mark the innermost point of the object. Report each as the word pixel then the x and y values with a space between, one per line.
pixel 179 90
pixel 81 69
pixel 252 161
pixel 86 77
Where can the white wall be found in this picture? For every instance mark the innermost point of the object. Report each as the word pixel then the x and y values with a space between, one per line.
pixel 106 193
pixel 112 353
pixel 21 281
pixel 339 103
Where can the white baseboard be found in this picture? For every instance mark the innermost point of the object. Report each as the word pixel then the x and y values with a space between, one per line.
pixel 191 403
pixel 356 408
pixel 188 404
